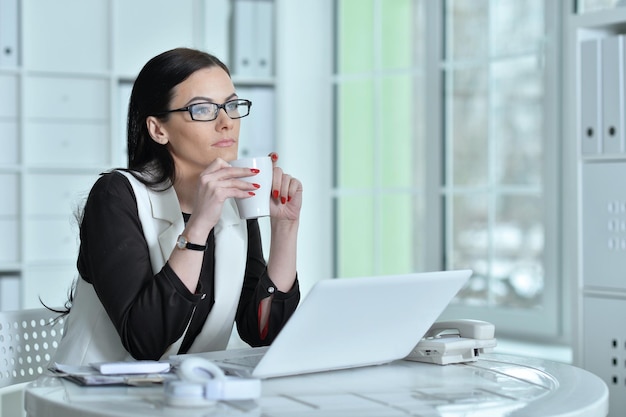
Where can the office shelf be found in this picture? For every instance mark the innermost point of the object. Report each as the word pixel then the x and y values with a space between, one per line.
pixel 595 120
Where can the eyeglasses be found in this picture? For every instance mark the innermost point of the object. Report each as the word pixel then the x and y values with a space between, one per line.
pixel 207 111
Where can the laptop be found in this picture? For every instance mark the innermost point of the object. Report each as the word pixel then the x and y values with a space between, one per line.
pixel 347 323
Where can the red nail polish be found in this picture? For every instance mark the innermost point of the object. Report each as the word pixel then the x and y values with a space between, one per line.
pixel 275 193
pixel 283 200
pixel 256 185
pixel 274 157
pixel 288 198
pixel 251 193
pixel 254 170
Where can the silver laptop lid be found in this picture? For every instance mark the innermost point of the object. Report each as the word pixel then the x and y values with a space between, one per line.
pixel 350 322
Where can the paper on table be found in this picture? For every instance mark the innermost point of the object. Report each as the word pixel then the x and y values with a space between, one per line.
pixel 73 369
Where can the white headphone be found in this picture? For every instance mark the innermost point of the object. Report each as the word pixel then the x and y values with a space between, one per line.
pixel 203 383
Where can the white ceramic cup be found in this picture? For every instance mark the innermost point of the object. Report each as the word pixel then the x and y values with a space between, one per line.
pixel 259 204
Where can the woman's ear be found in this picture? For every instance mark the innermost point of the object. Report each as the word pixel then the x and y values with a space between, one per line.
pixel 157 131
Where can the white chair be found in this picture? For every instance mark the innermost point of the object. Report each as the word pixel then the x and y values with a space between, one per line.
pixel 28 338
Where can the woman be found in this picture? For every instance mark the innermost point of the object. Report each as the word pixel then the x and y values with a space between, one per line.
pixel 166 265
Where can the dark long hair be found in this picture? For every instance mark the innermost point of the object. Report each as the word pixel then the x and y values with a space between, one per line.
pixel 152 92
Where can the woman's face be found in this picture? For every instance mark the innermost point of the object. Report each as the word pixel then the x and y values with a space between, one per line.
pixel 195 144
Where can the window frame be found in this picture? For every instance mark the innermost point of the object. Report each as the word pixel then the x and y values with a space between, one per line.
pixel 550 321
pixel 546 322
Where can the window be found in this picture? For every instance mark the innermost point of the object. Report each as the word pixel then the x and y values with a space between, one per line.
pixel 379 175
pixel 446 146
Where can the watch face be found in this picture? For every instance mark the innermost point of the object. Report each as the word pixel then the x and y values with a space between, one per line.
pixel 181 243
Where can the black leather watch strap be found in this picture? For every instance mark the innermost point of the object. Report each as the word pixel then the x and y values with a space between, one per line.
pixel 193 246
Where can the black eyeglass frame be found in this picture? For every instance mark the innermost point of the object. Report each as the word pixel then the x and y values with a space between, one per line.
pixel 219 106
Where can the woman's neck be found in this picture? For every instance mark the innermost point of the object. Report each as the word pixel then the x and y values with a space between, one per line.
pixel 186 188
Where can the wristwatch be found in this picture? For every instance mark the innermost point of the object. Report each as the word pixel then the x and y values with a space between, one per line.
pixel 183 243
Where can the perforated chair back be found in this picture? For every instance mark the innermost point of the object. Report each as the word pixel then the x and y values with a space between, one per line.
pixel 28 338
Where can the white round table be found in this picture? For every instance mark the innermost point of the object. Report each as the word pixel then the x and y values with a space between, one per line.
pixel 495 385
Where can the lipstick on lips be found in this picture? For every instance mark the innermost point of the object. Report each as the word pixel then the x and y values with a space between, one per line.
pixel 224 143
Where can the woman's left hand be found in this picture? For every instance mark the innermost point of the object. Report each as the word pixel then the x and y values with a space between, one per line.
pixel 286 195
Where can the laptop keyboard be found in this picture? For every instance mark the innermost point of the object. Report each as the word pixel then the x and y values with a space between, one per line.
pixel 247 361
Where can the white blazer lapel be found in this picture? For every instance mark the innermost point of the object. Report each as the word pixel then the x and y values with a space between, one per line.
pixel 165 207
pixel 231 248
pixel 231 240
pixel 161 219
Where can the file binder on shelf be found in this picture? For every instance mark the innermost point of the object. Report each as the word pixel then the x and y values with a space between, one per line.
pixel 264 38
pixel 9 33
pixel 242 37
pixel 590 99
pixel 612 94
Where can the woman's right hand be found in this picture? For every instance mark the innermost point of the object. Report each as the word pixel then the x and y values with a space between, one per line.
pixel 217 183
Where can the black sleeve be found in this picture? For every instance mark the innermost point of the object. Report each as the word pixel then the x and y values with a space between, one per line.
pixel 150 312
pixel 257 286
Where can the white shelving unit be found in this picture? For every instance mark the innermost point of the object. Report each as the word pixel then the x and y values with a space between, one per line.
pixel 595 121
pixel 62 113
